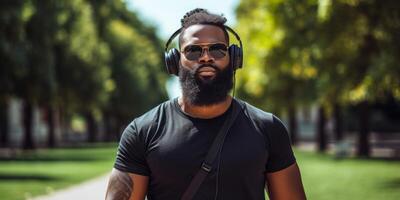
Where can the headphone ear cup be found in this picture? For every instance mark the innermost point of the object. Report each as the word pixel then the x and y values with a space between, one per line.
pixel 172 58
pixel 236 56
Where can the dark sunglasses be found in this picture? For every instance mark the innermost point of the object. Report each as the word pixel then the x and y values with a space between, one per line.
pixel 194 52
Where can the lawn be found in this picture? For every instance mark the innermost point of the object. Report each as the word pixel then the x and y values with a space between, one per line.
pixel 324 178
pixel 43 171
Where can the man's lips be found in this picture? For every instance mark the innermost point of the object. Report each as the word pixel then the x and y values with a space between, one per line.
pixel 206 71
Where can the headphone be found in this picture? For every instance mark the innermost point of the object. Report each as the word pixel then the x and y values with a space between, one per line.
pixel 172 57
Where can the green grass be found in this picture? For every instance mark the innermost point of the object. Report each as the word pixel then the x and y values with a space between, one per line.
pixel 325 178
pixel 43 171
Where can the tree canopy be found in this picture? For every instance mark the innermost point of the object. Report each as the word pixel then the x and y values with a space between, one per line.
pixel 79 56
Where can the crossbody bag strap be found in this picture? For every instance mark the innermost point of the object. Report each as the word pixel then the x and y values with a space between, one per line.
pixel 206 167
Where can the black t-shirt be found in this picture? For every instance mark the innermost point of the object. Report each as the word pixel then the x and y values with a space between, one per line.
pixel 169 146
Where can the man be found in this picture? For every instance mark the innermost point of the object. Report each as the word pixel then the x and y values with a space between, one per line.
pixel 161 151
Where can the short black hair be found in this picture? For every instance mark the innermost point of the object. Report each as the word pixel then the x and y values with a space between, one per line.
pixel 202 16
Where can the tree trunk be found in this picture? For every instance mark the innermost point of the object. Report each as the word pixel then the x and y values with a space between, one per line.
pixel 363 149
pixel 338 125
pixel 292 124
pixel 4 123
pixel 91 127
pixel 51 142
pixel 28 118
pixel 107 127
pixel 321 135
pixel 119 126
pixel 65 123
pixel 109 123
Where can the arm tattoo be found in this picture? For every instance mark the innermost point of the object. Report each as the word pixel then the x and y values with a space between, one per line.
pixel 120 186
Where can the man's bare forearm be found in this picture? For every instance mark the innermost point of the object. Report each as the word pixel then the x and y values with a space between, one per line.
pixel 120 186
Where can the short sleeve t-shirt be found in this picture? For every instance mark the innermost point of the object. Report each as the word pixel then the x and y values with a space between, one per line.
pixel 169 146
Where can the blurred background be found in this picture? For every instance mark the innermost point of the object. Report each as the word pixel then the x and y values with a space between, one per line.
pixel 74 73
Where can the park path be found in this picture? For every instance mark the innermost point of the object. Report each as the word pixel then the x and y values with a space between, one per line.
pixel 93 189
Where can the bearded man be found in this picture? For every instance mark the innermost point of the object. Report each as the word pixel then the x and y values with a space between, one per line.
pixel 163 153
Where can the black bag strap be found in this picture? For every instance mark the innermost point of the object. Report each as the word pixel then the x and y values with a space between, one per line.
pixel 212 154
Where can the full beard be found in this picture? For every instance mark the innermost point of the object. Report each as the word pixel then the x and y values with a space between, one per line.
pixel 205 92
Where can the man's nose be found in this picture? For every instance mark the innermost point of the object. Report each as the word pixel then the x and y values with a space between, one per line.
pixel 205 57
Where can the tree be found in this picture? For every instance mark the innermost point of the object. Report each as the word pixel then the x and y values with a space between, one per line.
pixel 136 64
pixel 344 48
pixel 64 53
pixel 38 86
pixel 70 57
pixel 12 57
pixel 282 73
pixel 357 46
pixel 82 64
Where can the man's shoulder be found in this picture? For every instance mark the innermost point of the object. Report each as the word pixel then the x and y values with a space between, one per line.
pixel 255 113
pixel 152 116
pixel 264 122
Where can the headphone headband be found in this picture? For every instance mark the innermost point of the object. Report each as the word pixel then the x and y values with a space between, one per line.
pixel 177 32
pixel 171 38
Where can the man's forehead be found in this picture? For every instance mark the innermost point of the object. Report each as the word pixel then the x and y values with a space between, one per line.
pixel 202 33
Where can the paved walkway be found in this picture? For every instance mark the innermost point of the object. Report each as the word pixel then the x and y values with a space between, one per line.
pixel 91 190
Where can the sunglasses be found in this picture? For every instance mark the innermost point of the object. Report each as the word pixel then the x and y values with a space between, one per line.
pixel 194 52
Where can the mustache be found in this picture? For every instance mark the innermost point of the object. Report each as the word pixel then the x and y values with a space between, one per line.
pixel 196 69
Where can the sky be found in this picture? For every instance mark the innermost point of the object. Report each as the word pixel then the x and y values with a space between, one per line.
pixel 166 16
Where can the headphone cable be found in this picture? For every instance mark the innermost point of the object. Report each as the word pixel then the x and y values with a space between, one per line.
pixel 234 83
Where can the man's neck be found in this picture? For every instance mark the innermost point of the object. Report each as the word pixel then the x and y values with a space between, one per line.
pixel 204 112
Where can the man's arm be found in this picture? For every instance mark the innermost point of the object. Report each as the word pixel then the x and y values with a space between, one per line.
pixel 126 186
pixel 285 184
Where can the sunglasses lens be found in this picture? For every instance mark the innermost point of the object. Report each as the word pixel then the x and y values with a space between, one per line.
pixel 218 50
pixel 193 52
